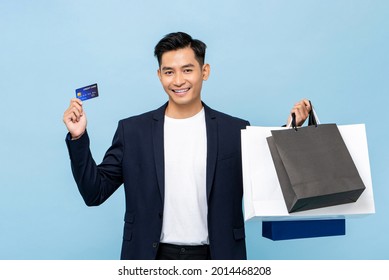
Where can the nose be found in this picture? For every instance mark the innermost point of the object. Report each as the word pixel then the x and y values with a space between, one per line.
pixel 179 79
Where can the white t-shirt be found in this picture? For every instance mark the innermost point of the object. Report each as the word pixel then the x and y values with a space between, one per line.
pixel 185 206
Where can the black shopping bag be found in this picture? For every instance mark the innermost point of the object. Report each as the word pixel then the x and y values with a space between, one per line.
pixel 314 167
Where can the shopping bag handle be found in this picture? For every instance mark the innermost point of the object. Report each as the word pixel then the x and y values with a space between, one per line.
pixel 312 118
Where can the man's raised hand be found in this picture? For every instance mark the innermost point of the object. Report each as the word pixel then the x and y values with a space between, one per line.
pixel 75 118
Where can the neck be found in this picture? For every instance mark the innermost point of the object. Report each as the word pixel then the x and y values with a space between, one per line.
pixel 183 111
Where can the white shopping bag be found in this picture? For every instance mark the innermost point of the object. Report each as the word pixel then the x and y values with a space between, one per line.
pixel 263 197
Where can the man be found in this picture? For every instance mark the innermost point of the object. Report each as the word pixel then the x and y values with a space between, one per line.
pixel 180 165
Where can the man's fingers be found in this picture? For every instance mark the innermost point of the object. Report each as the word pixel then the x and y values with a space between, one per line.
pixel 304 104
pixel 301 115
pixel 301 110
pixel 307 104
pixel 74 116
pixel 76 100
pixel 76 103
pixel 74 111
pixel 71 116
pixel 303 107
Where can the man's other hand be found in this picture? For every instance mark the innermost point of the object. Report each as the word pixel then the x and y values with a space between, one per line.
pixel 301 110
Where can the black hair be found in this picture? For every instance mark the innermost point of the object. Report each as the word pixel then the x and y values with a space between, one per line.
pixel 180 40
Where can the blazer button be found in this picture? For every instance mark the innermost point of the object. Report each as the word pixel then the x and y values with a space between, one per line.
pixel 155 245
pixel 160 215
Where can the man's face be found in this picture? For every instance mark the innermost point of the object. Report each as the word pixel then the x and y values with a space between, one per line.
pixel 182 78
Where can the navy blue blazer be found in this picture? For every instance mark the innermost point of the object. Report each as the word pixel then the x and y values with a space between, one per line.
pixel 136 159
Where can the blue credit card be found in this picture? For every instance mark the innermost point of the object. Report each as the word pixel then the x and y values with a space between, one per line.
pixel 87 92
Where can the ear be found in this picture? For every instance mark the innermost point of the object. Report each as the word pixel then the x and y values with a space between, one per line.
pixel 159 73
pixel 206 71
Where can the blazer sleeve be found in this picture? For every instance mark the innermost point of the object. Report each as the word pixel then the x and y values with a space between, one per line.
pixel 96 183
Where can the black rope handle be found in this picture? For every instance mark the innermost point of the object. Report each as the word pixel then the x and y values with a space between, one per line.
pixel 294 121
pixel 312 120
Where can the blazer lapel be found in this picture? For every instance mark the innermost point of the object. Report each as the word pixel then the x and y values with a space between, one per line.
pixel 158 146
pixel 212 136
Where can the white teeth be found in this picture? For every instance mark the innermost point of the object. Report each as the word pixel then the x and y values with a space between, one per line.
pixel 180 90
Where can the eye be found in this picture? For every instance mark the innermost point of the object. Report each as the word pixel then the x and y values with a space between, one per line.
pixel 188 70
pixel 168 73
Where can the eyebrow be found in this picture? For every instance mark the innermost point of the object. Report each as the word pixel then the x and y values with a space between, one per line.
pixel 171 68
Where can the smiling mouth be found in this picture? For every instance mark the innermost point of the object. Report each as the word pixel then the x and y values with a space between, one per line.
pixel 181 91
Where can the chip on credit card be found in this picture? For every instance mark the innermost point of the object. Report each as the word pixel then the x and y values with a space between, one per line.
pixel 87 92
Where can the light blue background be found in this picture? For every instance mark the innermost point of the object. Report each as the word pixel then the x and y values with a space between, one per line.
pixel 264 55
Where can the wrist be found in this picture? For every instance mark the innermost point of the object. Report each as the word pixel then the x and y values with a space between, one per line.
pixel 76 137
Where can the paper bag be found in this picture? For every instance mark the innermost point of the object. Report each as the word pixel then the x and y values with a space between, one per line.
pixel 263 197
pixel 314 167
